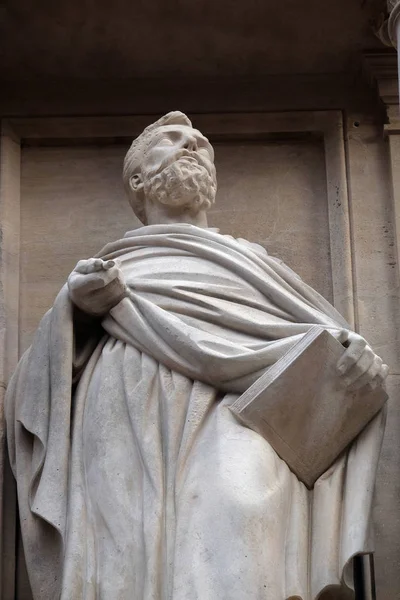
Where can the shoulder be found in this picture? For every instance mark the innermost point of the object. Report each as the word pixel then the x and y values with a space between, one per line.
pixel 257 248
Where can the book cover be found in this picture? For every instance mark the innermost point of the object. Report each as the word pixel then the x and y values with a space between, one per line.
pixel 303 409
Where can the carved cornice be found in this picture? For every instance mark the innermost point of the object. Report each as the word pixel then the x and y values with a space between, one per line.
pixel 381 71
pixel 382 68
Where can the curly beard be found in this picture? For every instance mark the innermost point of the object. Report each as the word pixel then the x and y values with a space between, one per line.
pixel 184 183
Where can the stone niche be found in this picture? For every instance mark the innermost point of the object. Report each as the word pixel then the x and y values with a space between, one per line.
pixel 310 186
pixel 286 192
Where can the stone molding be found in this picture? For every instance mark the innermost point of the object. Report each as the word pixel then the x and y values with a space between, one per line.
pixel 380 69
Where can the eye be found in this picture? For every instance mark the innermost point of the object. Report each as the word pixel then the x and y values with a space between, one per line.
pixel 207 152
pixel 166 142
pixel 204 146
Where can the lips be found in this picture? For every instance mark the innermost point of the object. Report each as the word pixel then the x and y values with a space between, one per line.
pixel 195 159
pixel 191 159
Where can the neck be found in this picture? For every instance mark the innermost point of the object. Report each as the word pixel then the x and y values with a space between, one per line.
pixel 160 214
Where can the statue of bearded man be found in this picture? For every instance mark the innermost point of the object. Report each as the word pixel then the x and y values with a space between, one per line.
pixel 135 481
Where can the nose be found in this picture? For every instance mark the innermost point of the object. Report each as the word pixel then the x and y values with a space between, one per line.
pixel 190 143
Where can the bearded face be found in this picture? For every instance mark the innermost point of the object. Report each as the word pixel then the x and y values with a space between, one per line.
pixel 188 182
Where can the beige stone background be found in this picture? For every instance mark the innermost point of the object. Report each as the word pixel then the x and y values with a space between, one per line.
pixel 73 203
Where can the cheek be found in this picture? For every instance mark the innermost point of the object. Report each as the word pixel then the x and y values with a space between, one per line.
pixel 157 157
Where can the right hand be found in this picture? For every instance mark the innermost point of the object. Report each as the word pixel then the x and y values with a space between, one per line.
pixel 95 286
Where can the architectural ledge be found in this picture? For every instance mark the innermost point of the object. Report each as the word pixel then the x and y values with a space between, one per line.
pixel 380 69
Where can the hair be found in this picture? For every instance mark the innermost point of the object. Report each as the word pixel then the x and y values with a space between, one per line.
pixel 138 149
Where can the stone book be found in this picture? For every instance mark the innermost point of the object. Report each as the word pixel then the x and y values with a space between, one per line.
pixel 302 408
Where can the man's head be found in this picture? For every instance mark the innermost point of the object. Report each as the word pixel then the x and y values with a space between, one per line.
pixel 171 164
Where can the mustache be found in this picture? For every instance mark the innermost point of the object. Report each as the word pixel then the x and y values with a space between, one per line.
pixel 199 158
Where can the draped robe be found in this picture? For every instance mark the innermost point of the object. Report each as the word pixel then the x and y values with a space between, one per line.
pixel 134 479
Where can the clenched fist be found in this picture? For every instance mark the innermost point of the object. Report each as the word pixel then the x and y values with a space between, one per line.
pixel 95 286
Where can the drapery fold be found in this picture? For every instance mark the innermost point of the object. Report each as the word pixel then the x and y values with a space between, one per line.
pixel 210 313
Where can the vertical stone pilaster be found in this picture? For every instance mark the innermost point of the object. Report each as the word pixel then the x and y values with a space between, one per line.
pixel 382 68
pixel 10 159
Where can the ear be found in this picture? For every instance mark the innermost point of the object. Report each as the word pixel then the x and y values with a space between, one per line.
pixel 136 183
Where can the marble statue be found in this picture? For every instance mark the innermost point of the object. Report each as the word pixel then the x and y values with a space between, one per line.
pixel 134 479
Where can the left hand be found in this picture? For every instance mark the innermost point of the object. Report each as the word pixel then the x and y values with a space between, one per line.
pixel 360 365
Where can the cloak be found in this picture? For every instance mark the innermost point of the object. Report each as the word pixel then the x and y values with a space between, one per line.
pixel 135 480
